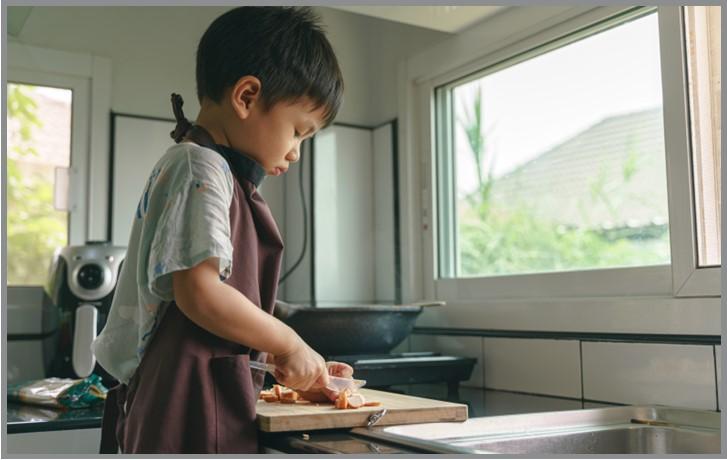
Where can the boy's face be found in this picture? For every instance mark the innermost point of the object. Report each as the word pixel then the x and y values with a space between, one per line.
pixel 273 138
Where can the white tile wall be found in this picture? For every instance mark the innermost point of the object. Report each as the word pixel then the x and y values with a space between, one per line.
pixel 64 442
pixel 597 405
pixel 648 373
pixel 25 316
pixel 25 310
pixel 469 347
pixel 503 403
pixel 613 373
pixel 718 362
pixel 344 215
pixel 25 361
pixel 403 347
pixel 543 366
pixel 422 342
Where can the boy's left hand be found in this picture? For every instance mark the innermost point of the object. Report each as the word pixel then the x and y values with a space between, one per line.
pixel 324 394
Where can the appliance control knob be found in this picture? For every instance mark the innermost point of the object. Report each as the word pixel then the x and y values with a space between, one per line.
pixel 90 276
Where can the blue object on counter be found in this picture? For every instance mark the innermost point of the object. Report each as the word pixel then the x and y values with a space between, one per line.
pixel 60 393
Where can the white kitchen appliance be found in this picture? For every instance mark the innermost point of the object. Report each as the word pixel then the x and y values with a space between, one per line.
pixel 80 288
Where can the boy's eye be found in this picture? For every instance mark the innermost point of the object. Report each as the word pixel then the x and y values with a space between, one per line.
pixel 297 134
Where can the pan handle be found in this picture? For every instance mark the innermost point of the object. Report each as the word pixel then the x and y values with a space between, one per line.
pixel 284 310
pixel 426 303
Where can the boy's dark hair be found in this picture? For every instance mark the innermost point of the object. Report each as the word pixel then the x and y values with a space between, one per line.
pixel 284 47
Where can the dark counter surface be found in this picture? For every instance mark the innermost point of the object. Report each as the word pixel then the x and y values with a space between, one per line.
pixel 23 418
pixel 26 418
pixel 480 402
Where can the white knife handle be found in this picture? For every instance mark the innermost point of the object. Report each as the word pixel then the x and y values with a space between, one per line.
pixel 263 366
pixel 84 333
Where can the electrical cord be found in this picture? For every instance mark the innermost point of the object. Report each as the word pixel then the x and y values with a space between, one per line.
pixel 305 225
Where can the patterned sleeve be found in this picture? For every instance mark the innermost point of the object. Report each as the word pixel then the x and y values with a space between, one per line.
pixel 194 224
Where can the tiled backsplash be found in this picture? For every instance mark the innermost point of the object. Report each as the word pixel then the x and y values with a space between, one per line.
pixel 24 332
pixel 533 366
pixel 469 347
pixel 650 373
pixel 718 364
pixel 683 375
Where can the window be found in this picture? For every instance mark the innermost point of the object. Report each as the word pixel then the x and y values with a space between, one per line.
pixel 39 154
pixel 556 162
pixel 703 31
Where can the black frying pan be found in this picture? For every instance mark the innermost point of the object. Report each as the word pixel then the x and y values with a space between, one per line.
pixel 352 329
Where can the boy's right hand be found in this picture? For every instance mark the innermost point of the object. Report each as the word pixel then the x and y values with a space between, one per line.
pixel 301 368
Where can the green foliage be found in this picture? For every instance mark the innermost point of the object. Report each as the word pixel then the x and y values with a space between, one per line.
pixel 34 227
pixel 473 125
pixel 500 241
pixel 509 238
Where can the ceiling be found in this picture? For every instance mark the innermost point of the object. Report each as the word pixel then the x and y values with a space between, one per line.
pixel 449 18
pixel 17 15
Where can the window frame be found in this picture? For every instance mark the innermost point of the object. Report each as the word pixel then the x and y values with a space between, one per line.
pixel 77 191
pixel 688 278
pixel 89 77
pixel 612 296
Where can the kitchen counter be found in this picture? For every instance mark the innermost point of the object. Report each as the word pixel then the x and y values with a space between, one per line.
pixel 480 402
pixel 26 418
pixel 22 418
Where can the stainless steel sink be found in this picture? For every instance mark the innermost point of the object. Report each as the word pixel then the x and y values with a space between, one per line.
pixel 615 430
pixel 621 440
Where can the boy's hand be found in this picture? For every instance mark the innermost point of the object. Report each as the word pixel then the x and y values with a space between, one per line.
pixel 302 368
pixel 339 369
pixel 324 394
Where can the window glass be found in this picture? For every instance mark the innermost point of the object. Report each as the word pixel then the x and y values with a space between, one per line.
pixel 557 162
pixel 39 152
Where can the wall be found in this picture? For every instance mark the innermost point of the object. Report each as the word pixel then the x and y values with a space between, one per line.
pixel 666 352
pixel 152 50
pixel 590 370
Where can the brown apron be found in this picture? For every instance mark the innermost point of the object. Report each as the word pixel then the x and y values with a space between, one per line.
pixel 193 392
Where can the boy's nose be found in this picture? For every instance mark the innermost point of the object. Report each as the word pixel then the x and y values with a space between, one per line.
pixel 293 156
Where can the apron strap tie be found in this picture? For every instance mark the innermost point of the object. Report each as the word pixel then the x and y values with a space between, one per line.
pixel 183 125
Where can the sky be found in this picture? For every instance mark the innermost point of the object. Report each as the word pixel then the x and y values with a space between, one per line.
pixel 533 106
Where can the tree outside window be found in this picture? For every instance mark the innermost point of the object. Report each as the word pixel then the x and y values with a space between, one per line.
pixel 39 130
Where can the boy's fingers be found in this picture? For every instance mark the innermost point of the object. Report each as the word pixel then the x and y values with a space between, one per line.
pixel 279 376
pixel 322 379
pixel 330 394
pixel 339 369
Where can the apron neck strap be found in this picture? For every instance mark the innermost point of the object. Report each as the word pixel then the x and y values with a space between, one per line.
pixel 242 166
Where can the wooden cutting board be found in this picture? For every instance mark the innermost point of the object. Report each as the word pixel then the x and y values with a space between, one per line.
pixel 400 409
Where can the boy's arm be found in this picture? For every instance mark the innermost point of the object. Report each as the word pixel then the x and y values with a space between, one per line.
pixel 227 313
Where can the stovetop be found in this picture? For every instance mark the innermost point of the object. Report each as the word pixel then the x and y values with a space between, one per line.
pixel 384 370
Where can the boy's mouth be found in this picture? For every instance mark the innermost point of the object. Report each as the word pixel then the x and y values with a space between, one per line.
pixel 279 171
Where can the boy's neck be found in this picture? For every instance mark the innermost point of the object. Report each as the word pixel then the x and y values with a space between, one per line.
pixel 208 118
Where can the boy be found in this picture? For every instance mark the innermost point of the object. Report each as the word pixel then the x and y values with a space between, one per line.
pixel 194 298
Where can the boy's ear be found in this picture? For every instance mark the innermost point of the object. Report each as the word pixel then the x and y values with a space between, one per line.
pixel 245 94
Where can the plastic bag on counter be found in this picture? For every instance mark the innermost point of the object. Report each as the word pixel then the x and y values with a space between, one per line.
pixel 60 393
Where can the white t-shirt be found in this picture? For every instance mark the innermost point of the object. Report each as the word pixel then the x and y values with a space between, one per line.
pixel 183 218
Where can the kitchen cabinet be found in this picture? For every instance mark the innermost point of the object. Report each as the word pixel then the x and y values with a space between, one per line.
pixel 132 162
pixel 62 442
pixel 355 245
pixel 40 430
